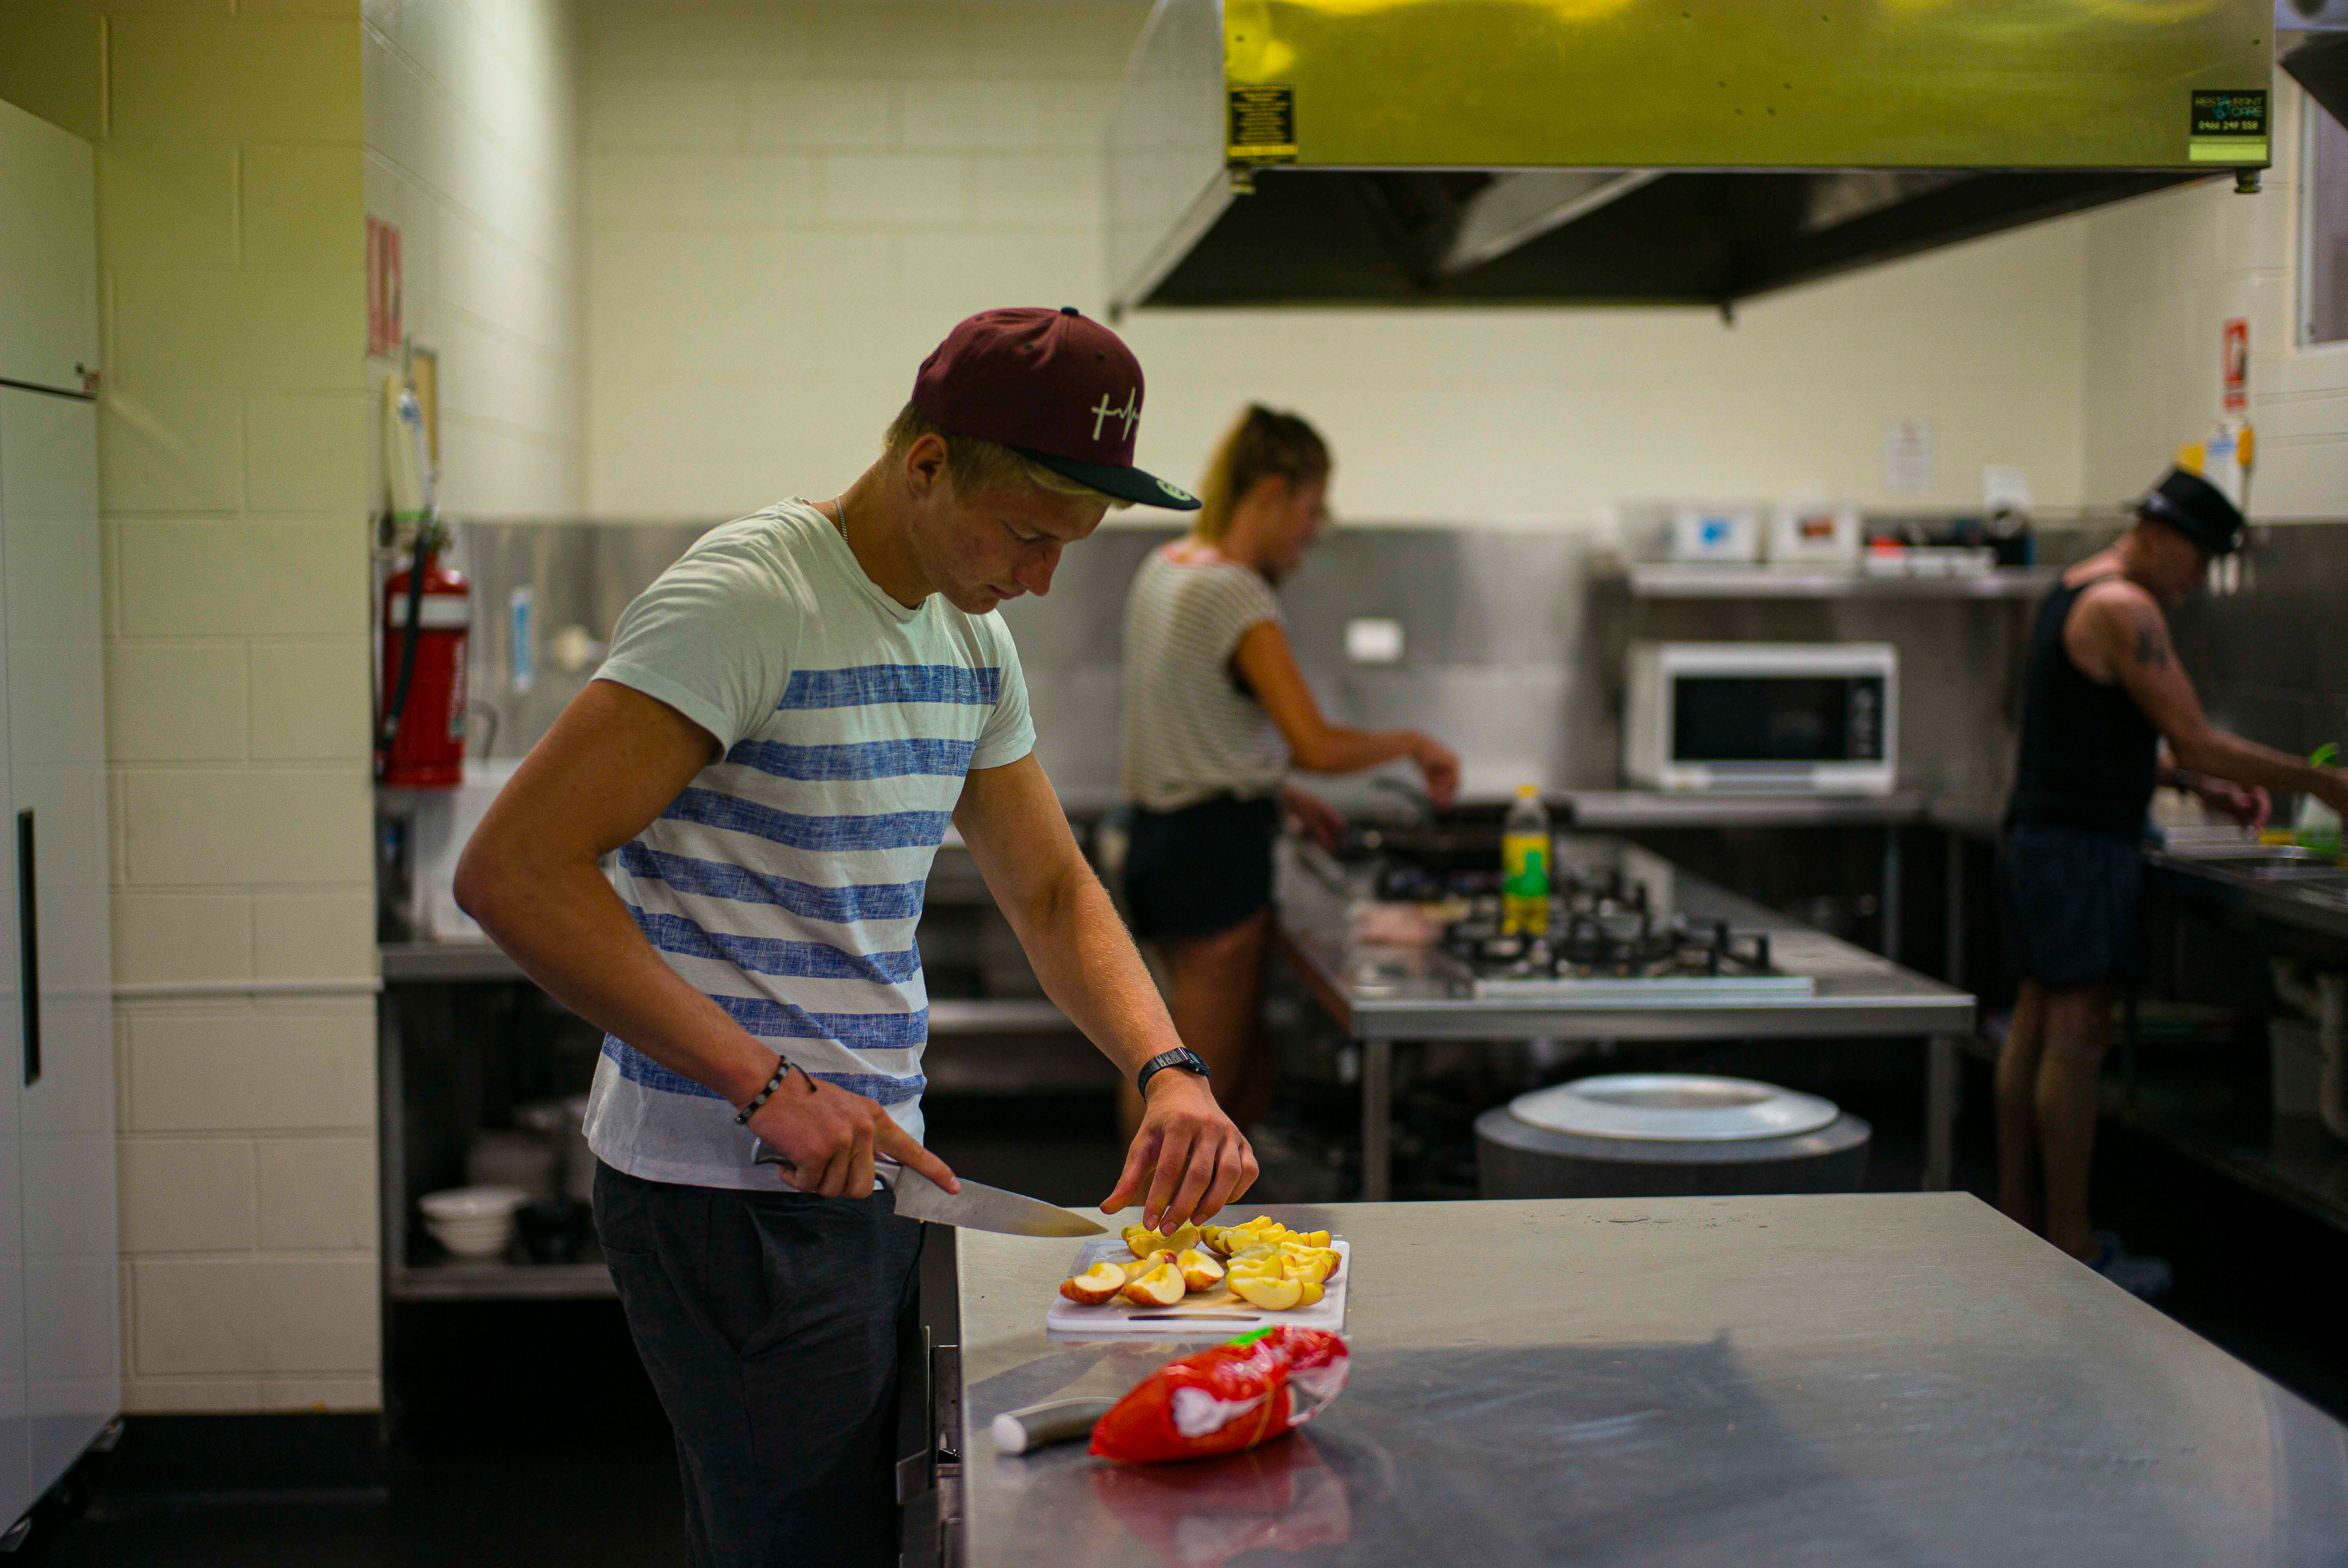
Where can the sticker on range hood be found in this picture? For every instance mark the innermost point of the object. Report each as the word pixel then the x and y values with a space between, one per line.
pixel 1263 125
pixel 2228 128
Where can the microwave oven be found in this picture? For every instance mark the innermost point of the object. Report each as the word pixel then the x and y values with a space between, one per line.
pixel 1763 718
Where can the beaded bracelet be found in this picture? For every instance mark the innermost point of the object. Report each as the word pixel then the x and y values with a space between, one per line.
pixel 782 1070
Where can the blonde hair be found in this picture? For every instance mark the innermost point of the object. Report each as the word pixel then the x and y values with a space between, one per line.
pixel 1263 444
pixel 974 465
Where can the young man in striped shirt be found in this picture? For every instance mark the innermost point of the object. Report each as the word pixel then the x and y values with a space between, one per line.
pixel 789 719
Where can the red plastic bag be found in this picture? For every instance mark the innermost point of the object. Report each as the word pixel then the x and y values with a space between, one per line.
pixel 1222 1401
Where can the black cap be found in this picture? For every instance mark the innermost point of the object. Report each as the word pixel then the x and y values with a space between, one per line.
pixel 2196 508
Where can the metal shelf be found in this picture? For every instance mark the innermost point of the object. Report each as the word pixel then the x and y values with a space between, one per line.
pixel 496 1280
pixel 1621 810
pixel 2300 1164
pixel 1664 580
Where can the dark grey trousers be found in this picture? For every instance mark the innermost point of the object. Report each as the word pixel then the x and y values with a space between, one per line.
pixel 768 1322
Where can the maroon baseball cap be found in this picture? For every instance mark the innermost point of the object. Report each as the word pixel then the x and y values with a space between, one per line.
pixel 1052 386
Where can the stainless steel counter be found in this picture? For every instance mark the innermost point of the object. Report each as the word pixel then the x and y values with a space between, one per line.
pixel 1877 1379
pixel 2226 883
pixel 1381 995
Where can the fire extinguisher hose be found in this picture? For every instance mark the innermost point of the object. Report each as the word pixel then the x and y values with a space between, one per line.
pixel 408 641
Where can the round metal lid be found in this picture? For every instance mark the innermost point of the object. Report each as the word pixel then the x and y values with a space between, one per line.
pixel 1672 1107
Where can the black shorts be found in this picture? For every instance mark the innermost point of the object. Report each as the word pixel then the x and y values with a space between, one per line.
pixel 1199 870
pixel 2071 901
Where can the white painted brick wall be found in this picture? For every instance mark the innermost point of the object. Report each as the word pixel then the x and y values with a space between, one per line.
pixel 234 450
pixel 752 326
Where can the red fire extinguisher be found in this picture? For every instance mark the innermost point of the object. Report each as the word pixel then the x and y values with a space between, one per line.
pixel 420 736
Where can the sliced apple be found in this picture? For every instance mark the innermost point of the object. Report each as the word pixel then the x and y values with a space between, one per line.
pixel 1318 1265
pixel 1309 1291
pixel 1314 1239
pixel 1271 1295
pixel 1199 1272
pixel 1161 1286
pixel 1095 1285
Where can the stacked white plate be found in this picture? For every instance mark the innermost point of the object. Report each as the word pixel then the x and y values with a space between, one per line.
pixel 472 1222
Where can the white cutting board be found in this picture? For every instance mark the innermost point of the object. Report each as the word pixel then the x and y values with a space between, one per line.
pixel 1187 1318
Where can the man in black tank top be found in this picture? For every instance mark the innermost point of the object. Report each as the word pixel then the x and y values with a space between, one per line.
pixel 2103 694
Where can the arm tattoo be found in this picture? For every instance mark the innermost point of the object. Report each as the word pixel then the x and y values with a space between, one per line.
pixel 2151 644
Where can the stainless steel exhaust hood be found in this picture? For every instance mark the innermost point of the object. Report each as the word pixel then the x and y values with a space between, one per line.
pixel 1489 152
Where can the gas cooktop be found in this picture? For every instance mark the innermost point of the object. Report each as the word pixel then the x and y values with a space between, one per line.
pixel 1605 937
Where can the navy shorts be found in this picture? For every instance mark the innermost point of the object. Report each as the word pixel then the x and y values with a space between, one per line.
pixel 1199 870
pixel 2072 905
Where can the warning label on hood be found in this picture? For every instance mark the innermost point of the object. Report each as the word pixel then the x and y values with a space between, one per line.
pixel 2229 127
pixel 1263 125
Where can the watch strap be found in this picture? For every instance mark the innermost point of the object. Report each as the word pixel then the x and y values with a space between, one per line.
pixel 1181 1056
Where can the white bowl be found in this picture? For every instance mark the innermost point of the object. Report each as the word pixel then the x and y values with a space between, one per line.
pixel 473 1203
pixel 465 1241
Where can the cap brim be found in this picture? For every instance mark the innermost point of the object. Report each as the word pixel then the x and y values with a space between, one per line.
pixel 1125 484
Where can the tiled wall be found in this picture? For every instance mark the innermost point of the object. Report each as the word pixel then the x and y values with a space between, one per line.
pixel 472 149
pixel 2270 660
pixel 233 489
pixel 789 204
pixel 2164 274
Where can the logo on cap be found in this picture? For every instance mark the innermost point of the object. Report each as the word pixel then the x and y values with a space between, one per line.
pixel 1102 412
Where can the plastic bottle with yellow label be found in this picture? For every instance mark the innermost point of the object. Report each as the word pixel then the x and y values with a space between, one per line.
pixel 1525 852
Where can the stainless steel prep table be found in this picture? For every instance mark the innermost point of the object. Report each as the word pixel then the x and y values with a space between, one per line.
pixel 1872 1379
pixel 1382 995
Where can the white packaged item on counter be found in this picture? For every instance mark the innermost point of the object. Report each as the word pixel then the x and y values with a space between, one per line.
pixel 1725 533
pixel 1815 533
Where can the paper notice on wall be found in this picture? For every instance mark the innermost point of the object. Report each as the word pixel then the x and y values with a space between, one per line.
pixel 2005 485
pixel 1907 456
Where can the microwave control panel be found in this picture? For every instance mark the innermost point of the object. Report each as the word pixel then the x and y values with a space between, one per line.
pixel 1864 719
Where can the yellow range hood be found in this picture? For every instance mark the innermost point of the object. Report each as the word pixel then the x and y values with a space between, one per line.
pixel 1487 152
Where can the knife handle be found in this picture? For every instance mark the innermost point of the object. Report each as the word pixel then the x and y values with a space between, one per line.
pixel 1055 1422
pixel 884 1170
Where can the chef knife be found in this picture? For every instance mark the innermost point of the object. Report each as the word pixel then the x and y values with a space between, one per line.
pixel 976 1207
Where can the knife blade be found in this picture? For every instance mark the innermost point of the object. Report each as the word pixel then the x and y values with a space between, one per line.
pixel 976 1207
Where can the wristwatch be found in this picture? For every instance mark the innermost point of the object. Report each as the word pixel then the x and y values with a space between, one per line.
pixel 1183 1056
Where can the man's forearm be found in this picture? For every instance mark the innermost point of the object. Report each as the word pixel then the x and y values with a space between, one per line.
pixel 2228 756
pixel 569 931
pixel 1092 971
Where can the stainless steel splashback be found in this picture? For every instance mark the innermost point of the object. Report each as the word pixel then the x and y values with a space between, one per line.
pixel 1511 652
pixel 578 575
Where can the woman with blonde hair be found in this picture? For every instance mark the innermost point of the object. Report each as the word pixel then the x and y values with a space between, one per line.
pixel 1216 714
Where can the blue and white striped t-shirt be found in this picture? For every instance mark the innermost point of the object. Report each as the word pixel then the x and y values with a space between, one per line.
pixel 786 881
